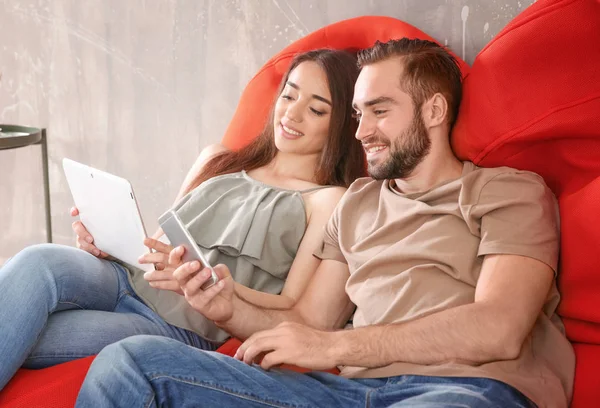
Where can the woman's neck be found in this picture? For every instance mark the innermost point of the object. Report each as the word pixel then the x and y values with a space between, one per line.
pixel 293 166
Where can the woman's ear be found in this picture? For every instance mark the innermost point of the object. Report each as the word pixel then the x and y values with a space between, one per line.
pixel 435 111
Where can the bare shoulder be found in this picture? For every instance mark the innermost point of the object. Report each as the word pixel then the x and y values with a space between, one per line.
pixel 212 150
pixel 208 153
pixel 323 202
pixel 330 195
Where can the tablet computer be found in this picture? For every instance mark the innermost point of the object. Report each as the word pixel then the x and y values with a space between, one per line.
pixel 108 209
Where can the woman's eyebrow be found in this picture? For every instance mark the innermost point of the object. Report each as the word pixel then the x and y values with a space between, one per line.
pixel 318 97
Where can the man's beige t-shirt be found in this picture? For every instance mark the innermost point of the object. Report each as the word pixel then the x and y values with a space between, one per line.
pixel 411 255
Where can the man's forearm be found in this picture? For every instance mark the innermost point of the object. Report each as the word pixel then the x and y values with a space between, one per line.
pixel 249 318
pixel 471 333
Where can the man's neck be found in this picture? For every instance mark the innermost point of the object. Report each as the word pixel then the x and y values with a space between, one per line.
pixel 434 170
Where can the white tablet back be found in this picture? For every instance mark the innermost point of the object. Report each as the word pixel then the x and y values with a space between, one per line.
pixel 109 211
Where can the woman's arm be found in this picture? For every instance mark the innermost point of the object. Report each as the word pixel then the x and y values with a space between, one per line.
pixel 206 154
pixel 321 205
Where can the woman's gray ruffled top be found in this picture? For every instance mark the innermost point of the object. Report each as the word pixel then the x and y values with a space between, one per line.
pixel 253 228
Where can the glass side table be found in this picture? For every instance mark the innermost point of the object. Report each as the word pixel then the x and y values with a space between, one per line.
pixel 12 137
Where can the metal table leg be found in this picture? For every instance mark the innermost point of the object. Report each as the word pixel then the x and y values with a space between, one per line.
pixel 44 144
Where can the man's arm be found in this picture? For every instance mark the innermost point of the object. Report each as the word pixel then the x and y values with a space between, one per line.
pixel 324 305
pixel 509 297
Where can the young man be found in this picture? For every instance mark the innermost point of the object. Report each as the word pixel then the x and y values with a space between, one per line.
pixel 448 268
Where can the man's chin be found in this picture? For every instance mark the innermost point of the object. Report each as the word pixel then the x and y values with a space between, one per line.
pixel 376 172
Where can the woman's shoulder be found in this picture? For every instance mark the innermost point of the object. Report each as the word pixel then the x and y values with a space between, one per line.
pixel 330 194
pixel 324 201
pixel 211 151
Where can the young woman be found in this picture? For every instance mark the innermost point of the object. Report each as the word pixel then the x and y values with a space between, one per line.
pixel 260 211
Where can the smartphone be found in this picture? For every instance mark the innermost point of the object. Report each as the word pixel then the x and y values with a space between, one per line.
pixel 179 235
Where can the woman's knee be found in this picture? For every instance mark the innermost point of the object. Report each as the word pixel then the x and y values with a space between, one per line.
pixel 42 253
pixel 41 261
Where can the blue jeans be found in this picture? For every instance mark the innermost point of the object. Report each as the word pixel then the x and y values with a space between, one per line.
pixel 59 303
pixel 149 371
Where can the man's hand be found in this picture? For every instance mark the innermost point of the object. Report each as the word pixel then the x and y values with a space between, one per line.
pixel 166 259
pixel 290 343
pixel 214 303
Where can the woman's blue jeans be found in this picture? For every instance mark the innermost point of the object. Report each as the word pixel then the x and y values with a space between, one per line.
pixel 59 303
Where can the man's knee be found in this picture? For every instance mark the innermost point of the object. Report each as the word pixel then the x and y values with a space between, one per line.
pixel 136 348
pixel 140 350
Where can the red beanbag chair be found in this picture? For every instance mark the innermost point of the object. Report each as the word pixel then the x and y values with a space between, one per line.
pixel 57 387
pixel 532 101
pixel 51 387
pixel 580 261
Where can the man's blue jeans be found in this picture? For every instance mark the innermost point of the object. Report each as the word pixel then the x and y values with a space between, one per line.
pixel 150 371
pixel 59 303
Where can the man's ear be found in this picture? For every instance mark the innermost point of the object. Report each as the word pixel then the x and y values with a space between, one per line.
pixel 435 111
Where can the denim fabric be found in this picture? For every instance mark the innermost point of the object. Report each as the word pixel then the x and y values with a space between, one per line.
pixel 149 371
pixel 59 303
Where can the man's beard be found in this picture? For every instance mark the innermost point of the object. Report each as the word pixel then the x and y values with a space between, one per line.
pixel 405 152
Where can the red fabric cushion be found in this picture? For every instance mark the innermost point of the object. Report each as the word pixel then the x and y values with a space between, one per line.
pixel 356 33
pixel 532 98
pixel 587 380
pixel 579 280
pixel 54 387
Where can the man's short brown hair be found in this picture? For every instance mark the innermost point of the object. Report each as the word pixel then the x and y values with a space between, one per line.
pixel 428 69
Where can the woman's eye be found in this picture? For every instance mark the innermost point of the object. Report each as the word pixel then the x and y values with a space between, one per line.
pixel 287 97
pixel 316 112
pixel 356 116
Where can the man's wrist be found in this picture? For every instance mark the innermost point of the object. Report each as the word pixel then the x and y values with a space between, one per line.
pixel 339 343
pixel 225 323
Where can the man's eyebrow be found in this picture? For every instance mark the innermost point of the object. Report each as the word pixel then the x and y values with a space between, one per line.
pixel 318 97
pixel 376 101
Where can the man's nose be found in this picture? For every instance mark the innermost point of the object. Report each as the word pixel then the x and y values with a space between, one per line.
pixel 365 128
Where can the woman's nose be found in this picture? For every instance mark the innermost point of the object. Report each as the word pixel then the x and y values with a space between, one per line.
pixel 294 112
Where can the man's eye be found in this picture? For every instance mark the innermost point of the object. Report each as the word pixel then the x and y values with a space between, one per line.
pixel 356 116
pixel 379 112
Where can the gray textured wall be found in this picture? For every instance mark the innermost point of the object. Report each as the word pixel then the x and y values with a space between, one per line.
pixel 139 87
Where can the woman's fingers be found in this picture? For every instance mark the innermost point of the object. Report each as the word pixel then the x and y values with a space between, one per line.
pixel 153 258
pixel 157 245
pixel 81 232
pixel 175 255
pixel 160 275
pixel 173 286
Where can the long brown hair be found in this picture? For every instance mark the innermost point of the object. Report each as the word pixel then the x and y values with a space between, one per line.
pixel 342 160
